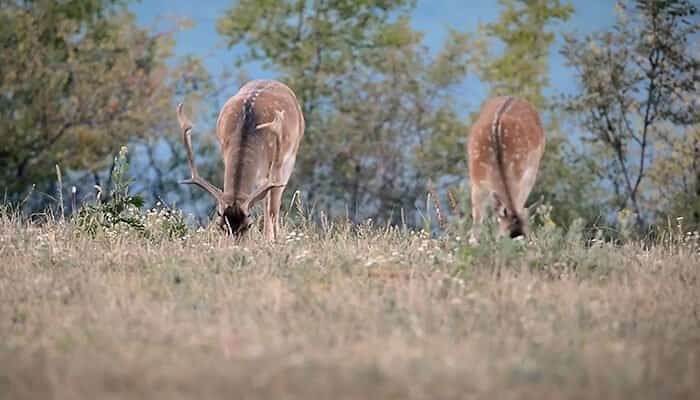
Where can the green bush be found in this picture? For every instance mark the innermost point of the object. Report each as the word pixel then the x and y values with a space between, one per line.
pixel 122 212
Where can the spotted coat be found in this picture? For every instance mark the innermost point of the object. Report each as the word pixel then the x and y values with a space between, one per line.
pixel 505 147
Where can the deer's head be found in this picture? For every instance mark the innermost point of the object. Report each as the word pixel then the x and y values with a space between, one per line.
pixel 510 222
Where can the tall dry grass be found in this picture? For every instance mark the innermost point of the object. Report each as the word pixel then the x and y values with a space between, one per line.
pixel 344 312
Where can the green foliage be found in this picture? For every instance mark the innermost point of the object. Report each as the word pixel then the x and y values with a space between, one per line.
pixel 676 174
pixel 161 157
pixel 299 37
pixel 565 182
pixel 550 249
pixel 122 211
pixel 119 207
pixel 77 79
pixel 638 91
pixel 521 69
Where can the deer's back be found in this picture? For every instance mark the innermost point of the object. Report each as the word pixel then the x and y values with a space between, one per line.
pixel 520 142
pixel 256 103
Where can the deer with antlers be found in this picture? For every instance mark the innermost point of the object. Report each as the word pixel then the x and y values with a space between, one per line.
pixel 505 147
pixel 259 131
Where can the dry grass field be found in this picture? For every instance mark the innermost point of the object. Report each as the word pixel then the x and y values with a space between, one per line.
pixel 344 313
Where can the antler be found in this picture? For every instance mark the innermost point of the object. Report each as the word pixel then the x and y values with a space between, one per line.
pixel 186 127
pixel 258 194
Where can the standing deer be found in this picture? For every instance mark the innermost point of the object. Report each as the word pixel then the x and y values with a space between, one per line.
pixel 259 131
pixel 505 147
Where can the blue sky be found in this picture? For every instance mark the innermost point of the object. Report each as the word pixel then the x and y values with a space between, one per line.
pixel 432 17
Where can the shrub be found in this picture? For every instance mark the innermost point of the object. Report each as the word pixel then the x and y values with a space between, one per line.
pixel 122 212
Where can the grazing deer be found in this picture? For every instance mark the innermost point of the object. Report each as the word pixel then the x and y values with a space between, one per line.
pixel 259 131
pixel 505 147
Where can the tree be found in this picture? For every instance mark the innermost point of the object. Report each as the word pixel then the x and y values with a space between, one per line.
pixel 636 80
pixel 370 91
pixel 78 79
pixel 522 68
pixel 161 157
pixel 675 174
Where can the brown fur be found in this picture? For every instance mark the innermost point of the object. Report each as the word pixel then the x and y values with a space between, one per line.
pixel 504 150
pixel 258 128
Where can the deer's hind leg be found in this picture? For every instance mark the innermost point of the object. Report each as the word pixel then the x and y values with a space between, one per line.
pixel 268 231
pixel 275 196
pixel 271 223
pixel 479 204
